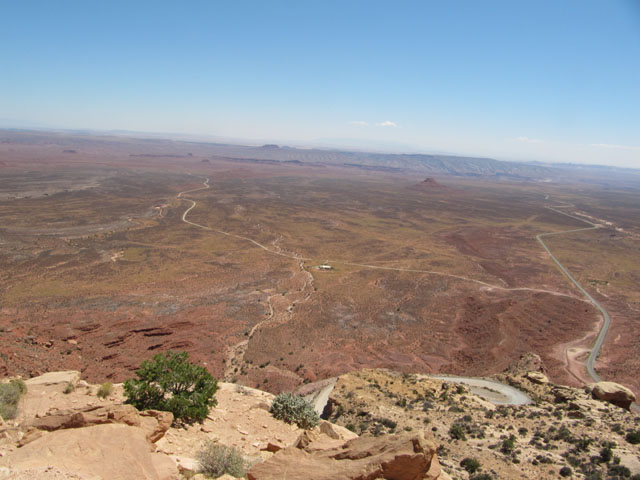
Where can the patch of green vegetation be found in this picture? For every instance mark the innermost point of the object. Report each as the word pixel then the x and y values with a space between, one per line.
pixel 216 460
pixel 293 408
pixel 105 390
pixel 171 383
pixel 633 437
pixel 457 432
pixel 471 465
pixel 10 394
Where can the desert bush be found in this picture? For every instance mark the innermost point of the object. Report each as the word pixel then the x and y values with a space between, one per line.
pixel 618 470
pixel 68 388
pixel 565 472
pixel 606 455
pixel 171 383
pixel 19 384
pixel 105 390
pixel 215 460
pixel 481 476
pixel 508 444
pixel 456 431
pixel 387 422
pixel 471 465
pixel 582 444
pixel 294 409
pixel 633 437
pixel 10 394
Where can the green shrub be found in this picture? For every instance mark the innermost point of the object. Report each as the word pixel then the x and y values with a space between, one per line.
pixel 481 476
pixel 105 390
pixel 456 431
pixel 565 472
pixel 10 394
pixel 215 460
pixel 19 384
pixel 471 465
pixel 606 454
pixel 294 409
pixel 633 437
pixel 508 444
pixel 619 470
pixel 170 383
pixel 387 422
pixel 582 444
pixel 69 387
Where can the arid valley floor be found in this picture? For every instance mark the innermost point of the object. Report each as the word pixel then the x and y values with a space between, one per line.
pixel 113 249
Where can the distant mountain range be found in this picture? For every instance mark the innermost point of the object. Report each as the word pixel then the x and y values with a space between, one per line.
pixel 423 164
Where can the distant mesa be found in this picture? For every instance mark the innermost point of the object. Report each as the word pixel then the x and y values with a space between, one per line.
pixel 205 160
pixel 271 146
pixel 69 151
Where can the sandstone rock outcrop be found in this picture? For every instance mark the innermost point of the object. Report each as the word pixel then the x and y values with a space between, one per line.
pixel 113 451
pixel 55 378
pixel 399 457
pixel 152 422
pixel 538 377
pixel 614 393
pixel 528 362
pixel 335 432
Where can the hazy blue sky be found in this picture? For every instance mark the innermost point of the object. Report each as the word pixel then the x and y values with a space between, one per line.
pixel 546 80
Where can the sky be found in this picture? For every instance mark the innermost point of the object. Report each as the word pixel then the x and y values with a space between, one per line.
pixel 520 80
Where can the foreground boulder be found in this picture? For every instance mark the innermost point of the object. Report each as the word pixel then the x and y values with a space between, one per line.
pixel 614 393
pixel 398 457
pixel 111 451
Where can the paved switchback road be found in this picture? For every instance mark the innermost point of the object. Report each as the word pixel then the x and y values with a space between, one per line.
pixel 606 319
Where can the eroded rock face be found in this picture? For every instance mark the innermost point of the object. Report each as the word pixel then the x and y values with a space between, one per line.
pixel 614 393
pixel 398 457
pixel 153 423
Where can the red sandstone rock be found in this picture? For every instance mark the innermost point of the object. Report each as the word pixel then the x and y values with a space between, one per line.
pixel 614 393
pixel 398 457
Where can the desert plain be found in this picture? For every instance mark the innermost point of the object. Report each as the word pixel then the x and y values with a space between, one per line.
pixel 277 267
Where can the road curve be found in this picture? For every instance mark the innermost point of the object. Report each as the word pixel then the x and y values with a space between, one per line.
pixel 491 390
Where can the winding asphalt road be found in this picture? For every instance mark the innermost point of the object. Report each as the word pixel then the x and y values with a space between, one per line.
pixel 595 351
pixel 491 390
pixel 597 346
